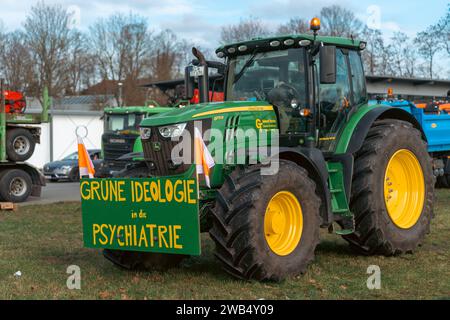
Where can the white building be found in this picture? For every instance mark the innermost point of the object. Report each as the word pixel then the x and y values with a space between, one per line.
pixel 420 90
pixel 69 114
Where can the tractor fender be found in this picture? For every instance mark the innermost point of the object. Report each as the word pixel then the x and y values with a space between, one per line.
pixel 363 127
pixel 313 161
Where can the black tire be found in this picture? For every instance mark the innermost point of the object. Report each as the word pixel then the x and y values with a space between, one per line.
pixel 74 175
pixel 132 260
pixel 15 186
pixel 20 144
pixel 239 223
pixel 376 233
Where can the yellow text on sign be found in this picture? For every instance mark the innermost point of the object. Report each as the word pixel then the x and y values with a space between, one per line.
pixel 179 191
pixel 144 237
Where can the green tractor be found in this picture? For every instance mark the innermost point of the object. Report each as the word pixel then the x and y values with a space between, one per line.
pixel 360 170
pixel 120 140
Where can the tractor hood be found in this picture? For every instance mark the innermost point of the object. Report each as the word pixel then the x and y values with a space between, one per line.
pixel 204 111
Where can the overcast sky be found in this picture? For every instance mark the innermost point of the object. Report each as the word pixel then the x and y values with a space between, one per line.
pixel 201 20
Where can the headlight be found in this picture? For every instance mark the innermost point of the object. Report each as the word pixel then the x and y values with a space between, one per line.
pixel 172 131
pixel 146 133
pixel 66 168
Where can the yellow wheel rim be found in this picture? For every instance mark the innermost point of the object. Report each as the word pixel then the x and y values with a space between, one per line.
pixel 404 189
pixel 283 223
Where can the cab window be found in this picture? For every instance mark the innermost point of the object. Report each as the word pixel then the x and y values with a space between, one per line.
pixel 335 98
pixel 278 77
pixel 358 79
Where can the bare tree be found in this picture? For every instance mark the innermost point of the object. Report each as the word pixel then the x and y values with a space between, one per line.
pixel 404 55
pixel 121 47
pixel 49 39
pixel 428 47
pixel 373 54
pixel 167 54
pixel 443 28
pixel 2 47
pixel 16 61
pixel 79 63
pixel 338 21
pixel 295 25
pixel 246 29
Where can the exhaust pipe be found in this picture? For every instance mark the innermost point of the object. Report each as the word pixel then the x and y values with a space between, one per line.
pixel 203 81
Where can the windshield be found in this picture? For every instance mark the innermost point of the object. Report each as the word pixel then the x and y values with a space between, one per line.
pixel 73 156
pixel 256 77
pixel 123 122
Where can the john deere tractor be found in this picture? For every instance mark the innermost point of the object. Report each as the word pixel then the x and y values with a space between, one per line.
pixel 121 136
pixel 361 170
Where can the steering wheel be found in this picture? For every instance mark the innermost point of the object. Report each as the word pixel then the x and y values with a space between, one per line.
pixel 291 87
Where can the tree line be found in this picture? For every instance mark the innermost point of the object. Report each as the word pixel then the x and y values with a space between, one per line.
pixel 47 52
pixel 402 56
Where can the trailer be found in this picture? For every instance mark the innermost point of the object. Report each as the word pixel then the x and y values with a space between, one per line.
pixel 19 134
pixel 434 119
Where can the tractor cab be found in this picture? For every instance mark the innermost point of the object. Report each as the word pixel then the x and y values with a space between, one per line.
pixel 313 82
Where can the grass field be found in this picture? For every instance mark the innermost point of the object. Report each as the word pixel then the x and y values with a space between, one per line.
pixel 42 241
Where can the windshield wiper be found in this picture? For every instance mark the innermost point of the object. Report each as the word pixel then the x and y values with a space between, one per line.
pixel 246 65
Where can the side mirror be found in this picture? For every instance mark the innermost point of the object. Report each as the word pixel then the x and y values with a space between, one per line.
pixel 189 84
pixel 328 65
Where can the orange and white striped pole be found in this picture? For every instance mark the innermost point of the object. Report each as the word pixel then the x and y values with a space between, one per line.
pixel 203 159
pixel 85 164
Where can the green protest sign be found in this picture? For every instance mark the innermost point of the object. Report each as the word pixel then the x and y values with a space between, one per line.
pixel 149 215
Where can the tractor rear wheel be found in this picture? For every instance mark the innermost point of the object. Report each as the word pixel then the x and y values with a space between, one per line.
pixel 132 260
pixel 393 190
pixel 266 227
pixel 20 144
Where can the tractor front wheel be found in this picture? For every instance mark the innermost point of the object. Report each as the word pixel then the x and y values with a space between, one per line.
pixel 132 260
pixel 266 227
pixel 393 190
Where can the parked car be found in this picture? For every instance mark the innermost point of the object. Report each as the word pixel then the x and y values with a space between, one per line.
pixel 67 168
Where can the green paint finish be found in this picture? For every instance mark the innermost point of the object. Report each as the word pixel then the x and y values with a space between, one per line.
pixel 20 118
pixel 199 112
pixel 233 126
pixel 339 201
pixel 137 148
pixel 350 126
pixel 148 215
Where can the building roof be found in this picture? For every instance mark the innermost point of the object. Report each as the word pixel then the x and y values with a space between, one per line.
pixel 413 81
pixel 75 105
